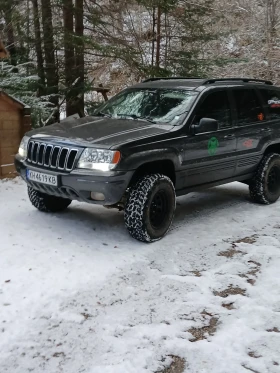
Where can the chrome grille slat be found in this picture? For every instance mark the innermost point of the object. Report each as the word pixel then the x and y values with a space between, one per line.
pixel 50 156
pixel 35 152
pixel 58 157
pixel 66 157
pixel 41 146
pixel 55 153
pixel 66 160
pixel 74 160
pixel 44 153
pixel 48 147
pixel 30 150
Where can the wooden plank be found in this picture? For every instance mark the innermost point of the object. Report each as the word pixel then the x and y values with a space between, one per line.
pixel 9 115
pixel 8 171
pixel 9 139
pixel 10 142
pixel 6 157
pixel 10 175
pixel 26 124
pixel 5 105
pixel 9 150
pixel 10 101
pixel 3 51
pixel 11 124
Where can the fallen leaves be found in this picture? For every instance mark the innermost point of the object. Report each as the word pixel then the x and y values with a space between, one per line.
pixel 230 291
pixel 177 366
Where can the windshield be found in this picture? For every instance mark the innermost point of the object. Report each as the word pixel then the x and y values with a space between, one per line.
pixel 154 105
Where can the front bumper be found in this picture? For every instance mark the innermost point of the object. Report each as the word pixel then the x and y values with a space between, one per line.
pixel 78 184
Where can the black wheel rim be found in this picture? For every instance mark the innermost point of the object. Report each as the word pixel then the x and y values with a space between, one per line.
pixel 159 209
pixel 274 180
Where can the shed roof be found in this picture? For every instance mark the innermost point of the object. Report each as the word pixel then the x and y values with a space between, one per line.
pixel 14 101
pixel 3 52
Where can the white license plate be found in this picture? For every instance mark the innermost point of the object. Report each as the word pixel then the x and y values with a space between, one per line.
pixel 42 178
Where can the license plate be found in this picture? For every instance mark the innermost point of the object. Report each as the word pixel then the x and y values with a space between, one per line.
pixel 42 178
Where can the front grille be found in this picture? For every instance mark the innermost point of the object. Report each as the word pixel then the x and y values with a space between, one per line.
pixel 51 156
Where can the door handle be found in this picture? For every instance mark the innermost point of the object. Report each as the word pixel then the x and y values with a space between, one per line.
pixel 266 130
pixel 229 137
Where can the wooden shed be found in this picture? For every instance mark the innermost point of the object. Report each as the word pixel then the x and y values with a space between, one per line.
pixel 14 122
pixel 3 51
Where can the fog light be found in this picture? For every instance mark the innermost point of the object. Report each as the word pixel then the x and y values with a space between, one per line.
pixel 96 196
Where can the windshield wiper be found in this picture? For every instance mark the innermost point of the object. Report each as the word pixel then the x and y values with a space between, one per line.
pixel 104 114
pixel 143 118
pixel 136 117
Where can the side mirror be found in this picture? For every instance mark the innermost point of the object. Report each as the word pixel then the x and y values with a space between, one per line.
pixel 206 125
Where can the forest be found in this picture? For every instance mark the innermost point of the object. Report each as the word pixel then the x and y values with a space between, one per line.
pixel 66 55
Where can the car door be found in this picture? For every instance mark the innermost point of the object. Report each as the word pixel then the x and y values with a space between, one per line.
pixel 209 157
pixel 252 128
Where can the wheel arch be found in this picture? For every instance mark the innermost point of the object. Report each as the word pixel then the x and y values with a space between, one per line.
pixel 272 148
pixel 165 167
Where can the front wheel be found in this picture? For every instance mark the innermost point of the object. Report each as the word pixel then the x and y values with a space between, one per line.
pixel 265 185
pixel 46 203
pixel 150 208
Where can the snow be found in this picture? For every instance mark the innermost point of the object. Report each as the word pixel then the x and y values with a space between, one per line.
pixel 77 294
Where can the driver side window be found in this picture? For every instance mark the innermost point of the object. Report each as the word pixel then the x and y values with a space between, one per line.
pixel 215 106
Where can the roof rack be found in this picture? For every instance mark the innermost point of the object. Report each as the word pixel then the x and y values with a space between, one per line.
pixel 170 78
pixel 210 81
pixel 245 80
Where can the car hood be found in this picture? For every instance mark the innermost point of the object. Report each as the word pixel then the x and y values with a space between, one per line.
pixel 96 131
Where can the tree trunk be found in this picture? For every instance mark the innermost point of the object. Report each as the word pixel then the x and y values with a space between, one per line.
pixel 69 56
pixel 153 38
pixel 158 39
pixel 51 73
pixel 79 53
pixel 7 7
pixel 38 46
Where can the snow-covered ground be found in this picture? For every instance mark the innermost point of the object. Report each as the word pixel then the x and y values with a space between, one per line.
pixel 77 294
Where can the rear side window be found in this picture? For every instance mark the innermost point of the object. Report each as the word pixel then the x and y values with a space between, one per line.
pixel 271 99
pixel 248 106
pixel 215 106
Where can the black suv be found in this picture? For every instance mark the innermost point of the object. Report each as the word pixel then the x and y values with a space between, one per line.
pixel 156 140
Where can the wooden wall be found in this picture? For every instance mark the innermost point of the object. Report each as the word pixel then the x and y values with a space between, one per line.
pixel 13 125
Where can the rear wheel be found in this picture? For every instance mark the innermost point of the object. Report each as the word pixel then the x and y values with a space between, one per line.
pixel 150 208
pixel 47 203
pixel 265 185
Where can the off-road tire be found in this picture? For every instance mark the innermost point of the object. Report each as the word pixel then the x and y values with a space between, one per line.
pixel 140 208
pixel 46 203
pixel 260 189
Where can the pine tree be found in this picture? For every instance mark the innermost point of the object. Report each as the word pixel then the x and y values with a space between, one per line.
pixel 74 56
pixel 50 63
pixel 79 57
pixel 6 8
pixel 38 46
pixel 18 82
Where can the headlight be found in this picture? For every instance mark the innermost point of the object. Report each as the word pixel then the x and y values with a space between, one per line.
pixel 22 151
pixel 99 159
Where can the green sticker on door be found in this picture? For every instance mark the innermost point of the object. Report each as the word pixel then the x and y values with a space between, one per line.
pixel 213 145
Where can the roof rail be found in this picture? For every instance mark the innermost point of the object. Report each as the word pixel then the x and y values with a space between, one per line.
pixel 210 81
pixel 245 80
pixel 170 78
